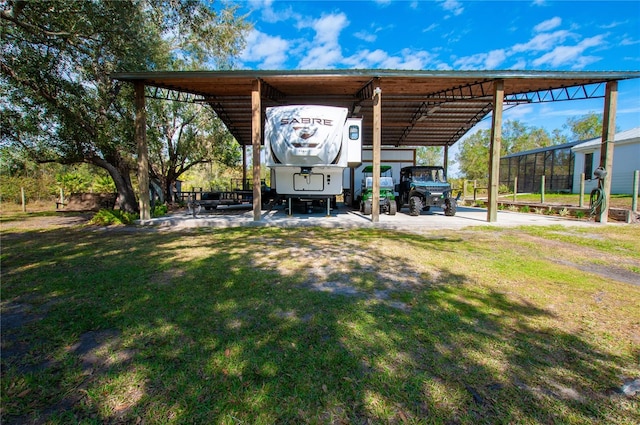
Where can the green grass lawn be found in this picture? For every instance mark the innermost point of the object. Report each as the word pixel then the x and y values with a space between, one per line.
pixel 320 326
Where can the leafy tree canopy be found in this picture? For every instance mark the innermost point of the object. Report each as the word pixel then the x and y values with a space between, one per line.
pixel 473 156
pixel 56 57
pixel 429 155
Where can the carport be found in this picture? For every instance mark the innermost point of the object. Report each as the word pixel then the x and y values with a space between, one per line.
pixel 399 108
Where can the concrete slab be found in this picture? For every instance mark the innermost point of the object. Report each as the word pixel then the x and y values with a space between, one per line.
pixel 347 218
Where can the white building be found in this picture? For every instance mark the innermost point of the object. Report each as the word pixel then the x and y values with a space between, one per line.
pixel 626 159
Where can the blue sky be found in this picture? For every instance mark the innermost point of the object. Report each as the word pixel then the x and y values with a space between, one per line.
pixel 456 35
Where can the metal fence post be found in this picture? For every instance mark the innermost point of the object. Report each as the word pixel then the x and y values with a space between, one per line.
pixel 542 184
pixel 515 187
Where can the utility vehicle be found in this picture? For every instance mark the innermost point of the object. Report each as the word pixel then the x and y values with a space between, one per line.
pixel 423 187
pixel 387 195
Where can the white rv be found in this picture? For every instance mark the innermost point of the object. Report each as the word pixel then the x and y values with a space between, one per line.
pixel 308 147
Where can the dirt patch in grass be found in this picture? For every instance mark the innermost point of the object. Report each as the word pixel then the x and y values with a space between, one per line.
pixel 46 222
pixel 585 259
pixel 606 271
pixel 95 351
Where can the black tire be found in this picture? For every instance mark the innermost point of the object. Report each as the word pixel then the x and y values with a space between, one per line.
pixel 367 208
pixel 392 207
pixel 450 207
pixel 415 206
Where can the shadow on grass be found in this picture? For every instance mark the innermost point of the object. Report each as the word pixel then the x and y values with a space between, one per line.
pixel 207 328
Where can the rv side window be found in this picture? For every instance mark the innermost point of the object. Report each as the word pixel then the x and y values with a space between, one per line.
pixel 354 132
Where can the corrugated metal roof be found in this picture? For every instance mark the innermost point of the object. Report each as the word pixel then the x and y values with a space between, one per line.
pixel 419 108
pixel 545 149
pixel 622 136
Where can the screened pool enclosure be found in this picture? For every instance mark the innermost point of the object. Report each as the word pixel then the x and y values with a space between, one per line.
pixel 555 163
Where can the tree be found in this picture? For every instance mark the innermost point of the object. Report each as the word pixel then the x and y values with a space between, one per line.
pixel 59 103
pixel 473 155
pixel 429 155
pixel 182 136
pixel 585 127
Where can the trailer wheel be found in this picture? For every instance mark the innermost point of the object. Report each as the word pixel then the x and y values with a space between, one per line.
pixel 367 208
pixel 393 207
pixel 415 206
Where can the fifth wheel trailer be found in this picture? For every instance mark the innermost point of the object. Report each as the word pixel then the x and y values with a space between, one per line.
pixel 308 147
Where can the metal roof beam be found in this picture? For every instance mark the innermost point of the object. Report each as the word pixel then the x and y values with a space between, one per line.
pixel 161 93
pixel 366 92
pixel 464 92
pixel 581 92
pixel 271 93
pixel 469 124
pixel 479 89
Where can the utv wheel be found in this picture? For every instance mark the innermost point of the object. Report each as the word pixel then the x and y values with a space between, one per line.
pixel 392 208
pixel 450 208
pixel 415 206
pixel 367 208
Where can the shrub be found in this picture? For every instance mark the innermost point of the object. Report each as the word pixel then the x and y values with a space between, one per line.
pixel 109 217
pixel 524 209
pixel 159 210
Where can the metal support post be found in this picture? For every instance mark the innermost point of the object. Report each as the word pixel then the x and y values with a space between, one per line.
pixel 634 200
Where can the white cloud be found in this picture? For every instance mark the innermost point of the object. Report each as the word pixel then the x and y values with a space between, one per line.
pixel 270 51
pixel 365 36
pixel 495 58
pixel 543 41
pixel 325 50
pixel 268 14
pixel 520 64
pixel 453 6
pixel 430 27
pixel 518 113
pixel 612 25
pixel 366 59
pixel 490 60
pixel 628 42
pixel 548 25
pixel 327 27
pixel 571 55
pixel 407 59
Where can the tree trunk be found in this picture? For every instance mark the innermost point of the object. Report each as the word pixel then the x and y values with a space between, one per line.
pixel 126 196
pixel 121 176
